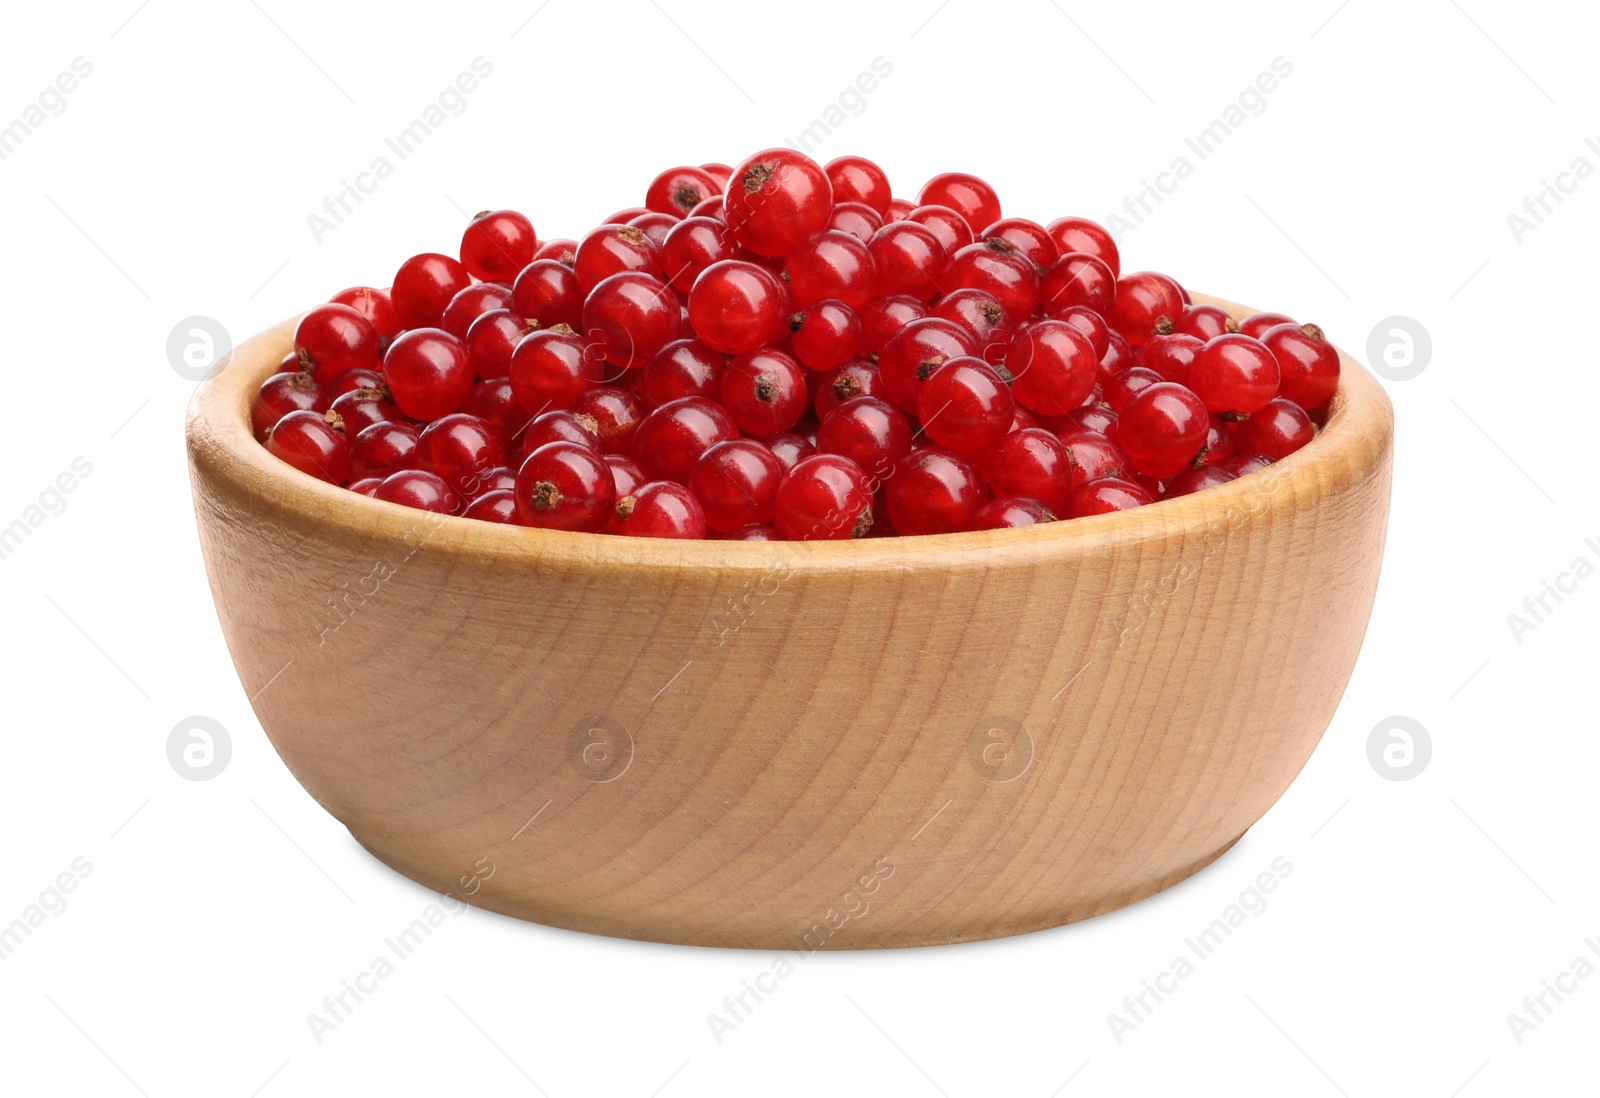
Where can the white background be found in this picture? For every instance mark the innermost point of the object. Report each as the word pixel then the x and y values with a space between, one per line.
pixel 1376 182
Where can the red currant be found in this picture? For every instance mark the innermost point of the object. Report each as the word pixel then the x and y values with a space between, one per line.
pixel 361 408
pixel 314 443
pixel 383 448
pixel 693 245
pixel 1077 279
pixel 1006 514
pixel 1256 324
pixel 496 506
pixel 676 191
pixel 1079 234
pixel 661 509
pixel 1027 237
pixel 965 406
pixel 934 491
pixel 908 259
pixel 857 179
pixel 1275 431
pixel 1146 303
pixel 831 264
pixel 1104 495
pixel 427 372
pixel 471 303
pixel 967 195
pixel 913 353
pixel 824 498
pixel 460 448
pixel 611 250
pixel 497 244
pixel 789 448
pixel 1053 364
pixel 563 486
pixel 736 483
pixel 558 426
pixel 1163 429
pixel 616 413
pixel 561 250
pixel 870 432
pixel 1032 463
pixel 493 400
pixel 374 304
pixel 331 339
pixel 1234 373
pixel 998 267
pixel 775 199
pixel 551 369
pixel 855 218
pixel 684 367
pixel 1241 465
pixel 1204 322
pixel 630 316
pixel 979 312
pixel 492 339
pixel 671 439
pixel 737 306
pixel 825 334
pixel 1124 385
pixel 886 316
pixel 1094 456
pixel 1171 356
pixel 1308 362
pixel 547 293
pixel 281 394
pixel 423 286
pixel 764 391
pixel 1194 480
pixel 420 489
pixel 947 226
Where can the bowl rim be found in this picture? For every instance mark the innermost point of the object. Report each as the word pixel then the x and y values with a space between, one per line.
pixel 222 444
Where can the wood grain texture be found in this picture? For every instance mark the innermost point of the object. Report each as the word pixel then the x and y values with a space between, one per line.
pixel 896 742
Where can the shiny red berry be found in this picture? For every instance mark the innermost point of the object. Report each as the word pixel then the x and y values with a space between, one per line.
pixel 736 483
pixel 671 439
pixel 427 372
pixel 1171 356
pixel 281 394
pixel 934 491
pixel 471 303
pixel 855 218
pixel 1275 431
pixel 424 285
pixel 824 498
pixel 1077 279
pixel 1163 429
pixel 497 244
pixel 870 432
pixel 764 391
pixel 314 443
pixel 613 249
pixel 1034 464
pixel 775 199
pixel 331 339
pixel 629 317
pixel 965 406
pixel 1195 480
pixel 1053 366
pixel 499 505
pixel 832 264
pixel 691 246
pixel 1257 324
pixel 1146 304
pixel 361 408
pixel 563 486
pixel 1079 234
pixel 857 179
pixel 908 259
pixel 1006 514
pixel 547 293
pixel 616 414
pixel 968 195
pixel 676 191
pixel 886 316
pixel 1234 373
pixel 460 448
pixel 1104 495
pixel 913 353
pixel 374 304
pixel 684 367
pixel 947 226
pixel 420 489
pixel 737 306
pixel 1308 362
pixel 995 265
pixel 383 448
pixel 858 377
pixel 1204 322
pixel 825 334
pixel 660 509
pixel 551 369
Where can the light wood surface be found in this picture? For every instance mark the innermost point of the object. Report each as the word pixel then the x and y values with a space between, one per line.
pixel 803 745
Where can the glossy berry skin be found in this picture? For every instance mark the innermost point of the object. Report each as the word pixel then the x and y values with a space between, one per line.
pixel 1307 361
pixel 1234 373
pixel 1145 301
pixel 1163 429
pixel 676 191
pixel 691 246
pixel 351 380
pixel 616 414
pixel 1122 388
pixel 1257 325
pixel 423 286
pixel 499 505
pixel 719 173
pixel 855 218
pixel 947 226
pixel 737 306
pixel 1104 495
pixel 764 391
pixel 623 216
pixel 561 250
pixel 361 408
pixel 1275 431
pixel 563 486
pixel 1007 514
pixel 886 316
pixel 660 509
pixel 831 264
pixel 547 293
pixel 497 244
pixel 492 339
pixel 1093 456
pixel 934 491
pixel 870 432
pixel 281 394
pixel 995 266
pixel 1204 322
pixel 613 249
pixel 1220 441
pixel 628 478
pixel 460 448
pixel 752 533
pixel 552 369
pixel 825 334
pixel 1171 356
pixel 1053 366
pixel 684 367
pixel 313 445
pixel 629 317
pixel 736 483
pixel 671 439
pixel 858 377
pixel 775 199
pixel 471 303
pixel 557 426
pixel 1241 464
pixel 1031 463
pixel 428 373
pixel 655 226
pixel 1091 324
pixel 981 314
pixel 493 401
pixel 331 339
pixel 908 259
pixel 420 489
pixel 857 179
pixel 967 195
pixel 825 497
pixel 1027 237
pixel 1196 480
pixel 1076 279
pixel 1118 355
pixel 374 304
pixel 498 479
pixel 790 449
pixel 1079 234
pixel 366 486
pixel 966 407
pixel 913 353
pixel 382 449
pixel 1091 417
pixel 712 208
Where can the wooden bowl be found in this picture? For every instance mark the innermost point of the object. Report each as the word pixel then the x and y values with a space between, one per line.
pixel 893 742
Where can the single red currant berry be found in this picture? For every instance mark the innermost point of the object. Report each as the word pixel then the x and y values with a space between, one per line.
pixel 492 400
pixel 736 483
pixel 764 391
pixel 1077 279
pixel 835 265
pixel 1205 322
pixel 496 506
pixel 427 372
pixel 351 380
pixel 846 381
pixel 965 406
pixel 1234 373
pixel 857 179
pixel 737 306
pixel 1091 324
pixel 855 218
pixel 498 244
pixel 1118 356
pixel 980 313
pixel 1094 456
pixel 676 191
pixel 660 509
pixel 365 486
pixel 908 259
pixel 314 443
pixel 331 339
pixel 492 339
pixel 1006 514
pixel 691 246
pixel 1123 386
pixel 611 250
pixel 558 426
pixel 420 489
pixel 1106 494
pixel 1275 431
pixel 1163 429
pixel 684 367
pixel 629 317
pixel 1091 417
pixel 1053 366
pixel 628 477
pixel 563 486
pixel 374 304
pixel 825 334
pixel 913 353
pixel 775 199
pixel 547 293
pixel 947 226
pixel 1027 237
pixel 1195 480
pixel 1241 465
pixel 617 414
pixel 1256 324
pixel 712 208
pixel 1220 442
pixel 886 316
pixel 423 286
pixel 898 209
pixel 656 226
pixel 1079 234
pixel 460 448
pixel 996 266
pixel 1031 463
pixel 789 448
pixel 383 448
pixel 361 408
pixel 551 369
pixel 870 432
pixel 1022 419
pixel 561 250
pixel 967 195
pixel 1146 304
pixel 1308 362
pixel 669 440
pixel 498 479
pixel 824 498
pixel 719 173
pixel 934 491
pixel 281 394
pixel 471 303
pixel 1171 356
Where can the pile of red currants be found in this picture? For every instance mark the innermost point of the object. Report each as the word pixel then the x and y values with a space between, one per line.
pixel 783 351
